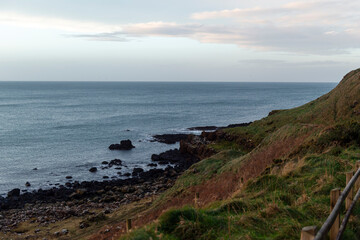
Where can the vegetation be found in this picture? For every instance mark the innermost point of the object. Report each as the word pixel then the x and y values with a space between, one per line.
pixel 277 187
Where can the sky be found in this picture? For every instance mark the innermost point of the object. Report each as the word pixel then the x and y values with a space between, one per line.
pixel 188 40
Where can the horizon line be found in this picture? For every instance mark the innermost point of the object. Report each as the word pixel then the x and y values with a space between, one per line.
pixel 96 81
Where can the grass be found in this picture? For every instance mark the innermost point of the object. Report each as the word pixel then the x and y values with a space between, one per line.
pixel 272 206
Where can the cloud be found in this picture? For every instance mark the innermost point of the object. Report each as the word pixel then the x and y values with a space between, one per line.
pixel 306 27
pixel 23 20
pixel 109 37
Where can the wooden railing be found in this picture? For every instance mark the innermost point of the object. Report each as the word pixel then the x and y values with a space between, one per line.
pixel 332 223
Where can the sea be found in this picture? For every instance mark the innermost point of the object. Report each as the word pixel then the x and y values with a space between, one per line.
pixel 64 128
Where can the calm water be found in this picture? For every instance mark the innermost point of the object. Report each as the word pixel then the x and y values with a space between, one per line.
pixel 65 128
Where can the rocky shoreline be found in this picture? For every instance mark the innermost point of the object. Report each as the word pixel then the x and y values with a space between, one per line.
pixel 78 198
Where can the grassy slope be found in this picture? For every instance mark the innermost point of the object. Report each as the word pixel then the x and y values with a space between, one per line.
pixel 279 186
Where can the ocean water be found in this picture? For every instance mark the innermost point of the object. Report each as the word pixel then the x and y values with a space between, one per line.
pixel 64 128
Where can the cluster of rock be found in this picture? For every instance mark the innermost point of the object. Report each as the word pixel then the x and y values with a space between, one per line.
pixel 82 200
pixel 77 198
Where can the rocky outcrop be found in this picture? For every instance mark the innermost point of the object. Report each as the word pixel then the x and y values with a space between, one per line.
pixel 196 146
pixel 124 145
pixel 175 156
pixel 169 138
pixel 215 128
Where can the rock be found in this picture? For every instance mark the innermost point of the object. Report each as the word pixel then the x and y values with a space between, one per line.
pixel 115 162
pixel 137 171
pixel 105 162
pixel 93 169
pixel 84 225
pixel 27 184
pixel 127 174
pixel 124 145
pixel 206 128
pixel 68 177
pixel 214 128
pixel 152 165
pixel 171 156
pixel 64 231
pixel 14 193
pixel 35 169
pixel 169 138
pixel 105 177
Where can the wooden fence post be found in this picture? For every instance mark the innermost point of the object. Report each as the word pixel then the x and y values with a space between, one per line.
pixel 128 225
pixel 334 195
pixel 350 196
pixel 308 233
pixel 357 184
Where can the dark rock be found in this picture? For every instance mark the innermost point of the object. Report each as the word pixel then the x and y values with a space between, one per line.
pixel 27 184
pixel 93 169
pixel 152 165
pixel 214 128
pixel 124 145
pixel 115 162
pixel 68 177
pixel 83 225
pixel 14 193
pixel 171 156
pixel 127 174
pixel 35 169
pixel 169 138
pixel 105 162
pixel 137 171
pixel 206 128
pixel 105 177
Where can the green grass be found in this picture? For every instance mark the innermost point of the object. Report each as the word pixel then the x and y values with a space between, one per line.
pixel 272 206
pixel 292 192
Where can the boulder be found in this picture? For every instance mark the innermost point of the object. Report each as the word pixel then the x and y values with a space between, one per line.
pixel 115 162
pixel 137 171
pixel 124 145
pixel 14 193
pixel 93 169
